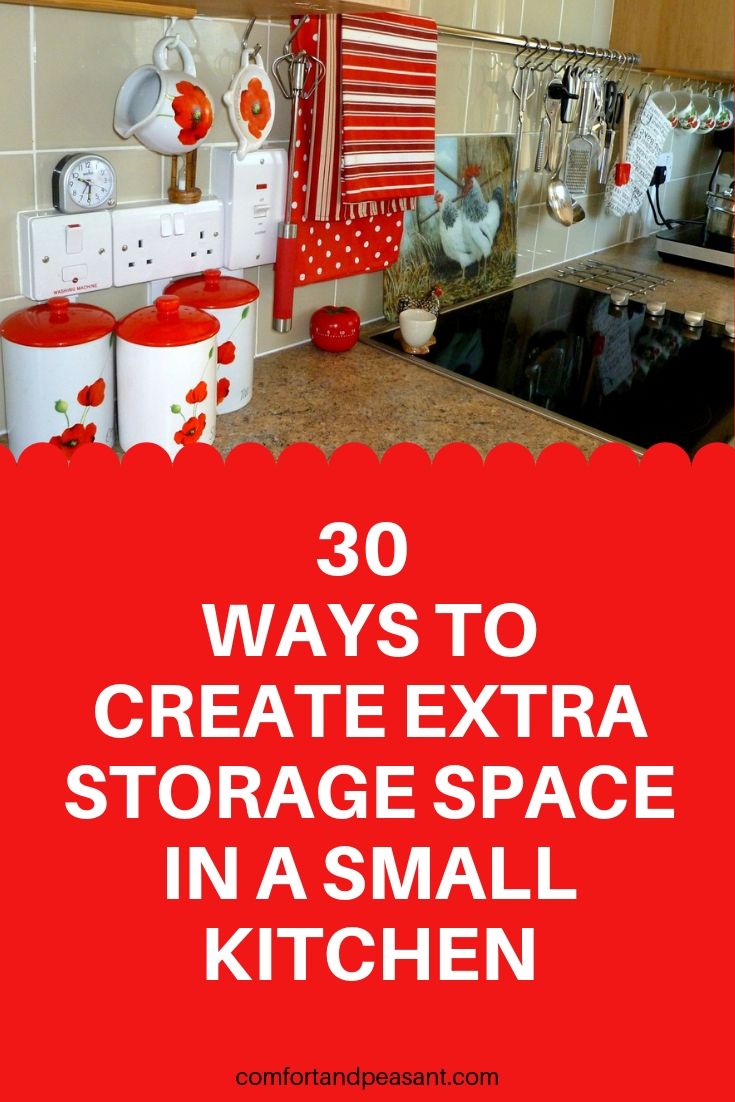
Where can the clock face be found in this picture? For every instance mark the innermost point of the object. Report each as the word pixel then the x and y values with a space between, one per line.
pixel 84 183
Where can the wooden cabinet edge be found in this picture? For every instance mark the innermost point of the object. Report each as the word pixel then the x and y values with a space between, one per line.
pixel 225 9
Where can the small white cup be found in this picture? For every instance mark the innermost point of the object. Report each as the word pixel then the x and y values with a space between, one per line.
pixel 417 327
pixel 666 103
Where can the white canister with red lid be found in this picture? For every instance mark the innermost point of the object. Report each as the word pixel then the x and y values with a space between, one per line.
pixel 166 376
pixel 59 378
pixel 232 302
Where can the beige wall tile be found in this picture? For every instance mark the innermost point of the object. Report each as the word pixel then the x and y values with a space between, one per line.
pixel 492 108
pixel 551 241
pixel 138 175
pixel 528 218
pixel 499 16
pixel 82 59
pixel 451 88
pixel 531 184
pixel 577 22
pixel 687 150
pixel 581 237
pixel 15 78
pixel 602 22
pixel 541 18
pixel 17 194
pixel 363 293
pixel 458 13
pixel 306 301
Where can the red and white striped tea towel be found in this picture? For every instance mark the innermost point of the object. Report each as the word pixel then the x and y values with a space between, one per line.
pixel 388 111
pixel 331 247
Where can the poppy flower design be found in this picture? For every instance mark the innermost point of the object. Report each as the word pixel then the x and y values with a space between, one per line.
pixel 197 393
pixel 74 437
pixel 223 389
pixel 226 353
pixel 255 107
pixel 192 112
pixel 191 430
pixel 92 395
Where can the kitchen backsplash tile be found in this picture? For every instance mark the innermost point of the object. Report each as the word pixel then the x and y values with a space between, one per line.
pixel 453 72
pixel 542 17
pixel 16 131
pixel 81 60
pixel 499 16
pixel 17 189
pixel 578 23
pixel 492 106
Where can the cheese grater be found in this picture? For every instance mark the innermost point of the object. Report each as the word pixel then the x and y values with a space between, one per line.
pixel 580 150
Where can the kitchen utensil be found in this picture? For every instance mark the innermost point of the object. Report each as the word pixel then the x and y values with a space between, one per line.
pixel 250 99
pixel 570 85
pixel 553 104
pixel 622 168
pixel 291 72
pixel 543 142
pixel 580 150
pixel 166 376
pixel 59 377
pixel 523 89
pixel 614 104
pixel 232 302
pixel 559 202
pixel 165 110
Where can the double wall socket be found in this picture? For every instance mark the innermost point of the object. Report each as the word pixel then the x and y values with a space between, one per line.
pixel 163 240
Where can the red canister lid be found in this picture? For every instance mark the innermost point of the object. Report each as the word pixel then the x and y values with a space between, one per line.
pixel 57 323
pixel 167 324
pixel 213 291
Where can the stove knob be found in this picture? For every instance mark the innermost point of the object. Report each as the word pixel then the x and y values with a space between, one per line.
pixel 656 309
pixel 620 297
pixel 694 318
pixel 730 329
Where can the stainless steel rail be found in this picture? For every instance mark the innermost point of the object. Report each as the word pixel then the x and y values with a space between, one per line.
pixel 542 46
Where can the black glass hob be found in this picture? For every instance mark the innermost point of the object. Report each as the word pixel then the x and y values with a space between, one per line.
pixel 573 354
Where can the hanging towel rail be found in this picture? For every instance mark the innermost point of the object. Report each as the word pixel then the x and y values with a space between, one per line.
pixel 559 49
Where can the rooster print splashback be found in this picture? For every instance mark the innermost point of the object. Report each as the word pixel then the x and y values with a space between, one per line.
pixel 463 240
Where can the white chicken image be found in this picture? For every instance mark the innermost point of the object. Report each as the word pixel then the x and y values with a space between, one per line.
pixel 480 218
pixel 451 233
pixel 469 223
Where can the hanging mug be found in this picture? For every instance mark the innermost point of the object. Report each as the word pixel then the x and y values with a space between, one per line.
pixel 164 108
pixel 249 101
pixel 723 113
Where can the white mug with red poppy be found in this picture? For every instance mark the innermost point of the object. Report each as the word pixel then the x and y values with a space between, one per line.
pixel 165 110
pixel 59 376
pixel 250 101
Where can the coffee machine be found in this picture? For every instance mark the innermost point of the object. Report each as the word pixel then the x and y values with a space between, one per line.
pixel 708 241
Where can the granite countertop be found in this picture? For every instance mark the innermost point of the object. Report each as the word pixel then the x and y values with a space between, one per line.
pixel 366 395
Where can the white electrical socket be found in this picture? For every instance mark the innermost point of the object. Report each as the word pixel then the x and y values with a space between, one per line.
pixel 254 192
pixel 163 240
pixel 64 254
pixel 666 160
